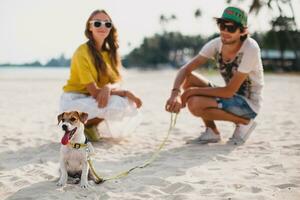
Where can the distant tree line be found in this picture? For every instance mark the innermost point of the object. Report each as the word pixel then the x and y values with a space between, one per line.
pixel 174 49
pixel 30 64
pixel 61 61
pixel 169 48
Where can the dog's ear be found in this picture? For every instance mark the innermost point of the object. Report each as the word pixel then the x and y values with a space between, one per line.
pixel 83 117
pixel 59 117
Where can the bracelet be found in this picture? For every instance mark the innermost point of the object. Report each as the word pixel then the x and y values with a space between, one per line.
pixel 176 90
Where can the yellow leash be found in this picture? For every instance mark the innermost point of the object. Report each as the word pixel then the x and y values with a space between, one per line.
pixel 146 163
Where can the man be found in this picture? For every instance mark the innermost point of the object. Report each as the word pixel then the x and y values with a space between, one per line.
pixel 239 62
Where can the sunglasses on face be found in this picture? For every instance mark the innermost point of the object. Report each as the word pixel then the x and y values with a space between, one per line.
pixel 229 28
pixel 98 23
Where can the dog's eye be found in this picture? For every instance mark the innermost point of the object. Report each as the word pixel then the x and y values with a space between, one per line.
pixel 73 119
pixel 63 120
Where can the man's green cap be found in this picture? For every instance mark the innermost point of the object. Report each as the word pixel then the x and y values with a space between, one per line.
pixel 236 15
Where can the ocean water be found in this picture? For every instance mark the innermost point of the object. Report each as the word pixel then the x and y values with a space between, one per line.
pixel 23 73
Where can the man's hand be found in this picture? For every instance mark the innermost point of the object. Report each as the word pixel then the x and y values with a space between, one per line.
pixel 174 103
pixel 103 96
pixel 186 95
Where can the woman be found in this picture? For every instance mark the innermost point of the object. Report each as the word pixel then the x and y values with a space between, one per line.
pixel 94 76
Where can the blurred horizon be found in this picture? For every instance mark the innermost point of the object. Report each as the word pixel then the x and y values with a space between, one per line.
pixel 35 30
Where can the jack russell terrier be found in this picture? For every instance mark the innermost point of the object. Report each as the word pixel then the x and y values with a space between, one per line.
pixel 75 149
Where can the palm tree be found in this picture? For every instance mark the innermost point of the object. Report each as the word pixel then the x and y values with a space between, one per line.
pixel 197 13
pixel 164 20
pixel 173 17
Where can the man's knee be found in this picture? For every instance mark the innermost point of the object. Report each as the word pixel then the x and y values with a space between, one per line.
pixel 194 106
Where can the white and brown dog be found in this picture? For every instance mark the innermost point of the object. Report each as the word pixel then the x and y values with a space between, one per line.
pixel 75 149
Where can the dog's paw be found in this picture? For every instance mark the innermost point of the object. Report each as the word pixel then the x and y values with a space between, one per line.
pixel 60 183
pixel 84 185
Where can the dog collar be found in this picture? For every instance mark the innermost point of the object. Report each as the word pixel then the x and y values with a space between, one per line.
pixel 78 145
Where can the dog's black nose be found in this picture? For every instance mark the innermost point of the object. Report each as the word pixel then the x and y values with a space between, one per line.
pixel 64 127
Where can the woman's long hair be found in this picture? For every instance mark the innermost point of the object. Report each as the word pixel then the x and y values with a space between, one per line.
pixel 110 45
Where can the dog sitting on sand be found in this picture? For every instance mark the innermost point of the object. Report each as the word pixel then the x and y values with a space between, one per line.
pixel 75 149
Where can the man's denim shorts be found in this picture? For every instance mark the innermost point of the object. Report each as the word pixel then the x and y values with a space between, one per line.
pixel 236 105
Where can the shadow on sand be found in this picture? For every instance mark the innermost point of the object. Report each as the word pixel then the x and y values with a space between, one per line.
pixel 170 163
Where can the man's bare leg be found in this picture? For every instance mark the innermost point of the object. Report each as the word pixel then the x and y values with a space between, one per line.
pixel 207 109
pixel 197 80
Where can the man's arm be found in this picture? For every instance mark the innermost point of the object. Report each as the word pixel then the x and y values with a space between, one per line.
pixel 225 92
pixel 174 103
pixel 187 70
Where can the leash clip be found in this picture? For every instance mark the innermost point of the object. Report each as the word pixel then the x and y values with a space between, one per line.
pixel 76 146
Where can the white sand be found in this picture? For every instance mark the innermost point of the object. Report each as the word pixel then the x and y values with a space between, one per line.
pixel 266 167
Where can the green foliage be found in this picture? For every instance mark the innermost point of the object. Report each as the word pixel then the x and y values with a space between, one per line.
pixel 169 48
pixel 32 64
pixel 53 62
pixel 286 40
pixel 58 62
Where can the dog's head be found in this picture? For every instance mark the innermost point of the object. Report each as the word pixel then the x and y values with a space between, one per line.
pixel 70 122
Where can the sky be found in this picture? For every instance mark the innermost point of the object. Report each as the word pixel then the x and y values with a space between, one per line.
pixel 33 30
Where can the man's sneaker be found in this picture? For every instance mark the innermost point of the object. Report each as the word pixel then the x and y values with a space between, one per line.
pixel 91 132
pixel 208 136
pixel 242 132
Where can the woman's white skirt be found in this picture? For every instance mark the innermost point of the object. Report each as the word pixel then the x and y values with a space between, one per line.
pixel 120 115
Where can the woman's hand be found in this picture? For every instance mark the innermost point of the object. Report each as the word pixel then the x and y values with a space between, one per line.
pixel 103 96
pixel 174 103
pixel 138 102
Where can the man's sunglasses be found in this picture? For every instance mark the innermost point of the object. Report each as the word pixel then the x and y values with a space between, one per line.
pixel 98 23
pixel 229 28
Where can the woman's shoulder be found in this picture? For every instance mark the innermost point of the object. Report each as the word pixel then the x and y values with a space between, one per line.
pixel 82 48
pixel 81 51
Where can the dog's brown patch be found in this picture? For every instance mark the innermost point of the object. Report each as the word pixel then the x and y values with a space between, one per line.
pixel 72 117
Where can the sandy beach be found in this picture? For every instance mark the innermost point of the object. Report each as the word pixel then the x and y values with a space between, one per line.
pixel 267 167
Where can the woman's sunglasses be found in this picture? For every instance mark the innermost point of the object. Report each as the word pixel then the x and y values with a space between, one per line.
pixel 98 23
pixel 229 28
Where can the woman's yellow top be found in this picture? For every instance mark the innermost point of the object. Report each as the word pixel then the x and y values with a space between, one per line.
pixel 83 71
